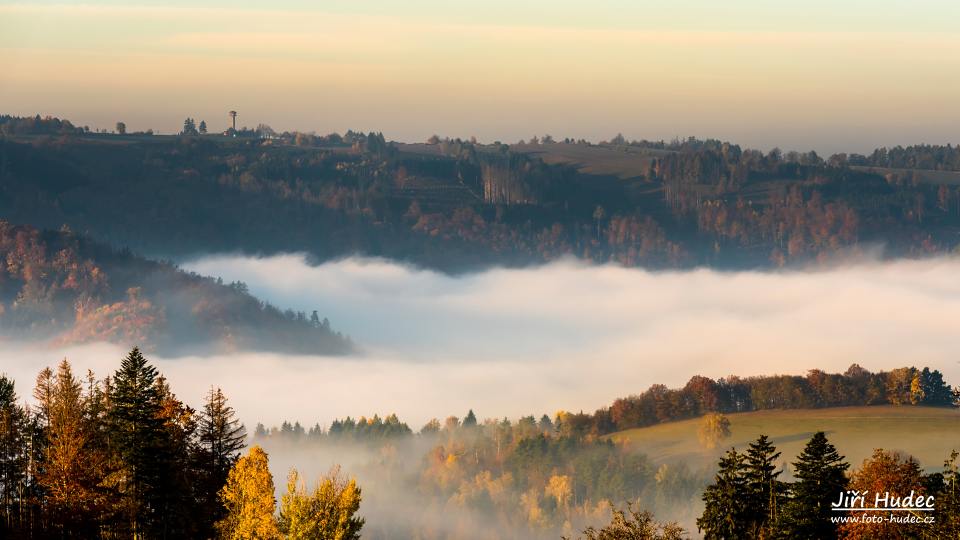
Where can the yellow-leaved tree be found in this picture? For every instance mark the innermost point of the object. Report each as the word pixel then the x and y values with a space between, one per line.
pixel 328 513
pixel 714 428
pixel 249 500
pixel 560 487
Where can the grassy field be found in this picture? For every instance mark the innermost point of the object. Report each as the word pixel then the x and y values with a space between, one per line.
pixel 623 163
pixel 926 433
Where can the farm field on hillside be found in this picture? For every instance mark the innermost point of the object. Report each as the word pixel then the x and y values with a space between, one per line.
pixel 920 431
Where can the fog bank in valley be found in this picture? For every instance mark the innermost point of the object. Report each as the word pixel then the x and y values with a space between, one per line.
pixel 510 342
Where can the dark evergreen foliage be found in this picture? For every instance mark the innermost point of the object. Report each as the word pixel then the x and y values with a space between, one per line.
pixel 220 438
pixel 139 438
pixel 821 475
pixel 725 512
pixel 764 492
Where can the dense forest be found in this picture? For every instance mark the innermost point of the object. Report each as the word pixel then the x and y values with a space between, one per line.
pixel 459 205
pixel 63 287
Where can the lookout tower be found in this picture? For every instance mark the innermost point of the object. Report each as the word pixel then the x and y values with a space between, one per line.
pixel 233 119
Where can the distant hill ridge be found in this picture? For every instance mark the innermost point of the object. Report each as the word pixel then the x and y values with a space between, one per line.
pixel 459 205
pixel 857 386
pixel 65 288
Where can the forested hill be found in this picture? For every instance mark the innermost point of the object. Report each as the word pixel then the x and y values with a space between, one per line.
pixel 64 288
pixel 458 205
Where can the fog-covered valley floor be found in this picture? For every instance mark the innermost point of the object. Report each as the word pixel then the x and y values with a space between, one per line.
pixel 510 342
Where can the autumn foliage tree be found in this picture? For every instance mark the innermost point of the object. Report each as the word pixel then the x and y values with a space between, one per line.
pixel 249 499
pixel 74 468
pixel 328 512
pixel 885 472
pixel 713 428
pixel 632 524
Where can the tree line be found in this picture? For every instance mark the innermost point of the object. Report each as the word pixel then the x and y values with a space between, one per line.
pixel 123 457
pixel 530 477
pixel 748 499
pixel 855 387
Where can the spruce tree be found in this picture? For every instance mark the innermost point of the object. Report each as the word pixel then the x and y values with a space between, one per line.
pixel 137 437
pixel 764 491
pixel 14 430
pixel 724 514
pixel 221 438
pixel 821 477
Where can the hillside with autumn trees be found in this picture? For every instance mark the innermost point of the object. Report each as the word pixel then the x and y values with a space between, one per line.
pixel 549 475
pixel 63 288
pixel 458 205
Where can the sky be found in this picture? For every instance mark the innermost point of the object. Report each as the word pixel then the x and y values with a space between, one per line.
pixel 570 336
pixel 837 75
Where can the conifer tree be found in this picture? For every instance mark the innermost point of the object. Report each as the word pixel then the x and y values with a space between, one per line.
pixel 13 456
pixel 249 500
pixel 764 491
pixel 724 515
pixel 178 515
pixel 137 434
pixel 821 476
pixel 470 420
pixel 71 471
pixel 221 438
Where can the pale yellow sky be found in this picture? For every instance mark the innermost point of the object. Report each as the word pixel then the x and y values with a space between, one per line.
pixel 806 75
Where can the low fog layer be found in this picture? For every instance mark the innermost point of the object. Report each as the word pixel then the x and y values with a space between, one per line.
pixel 563 336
